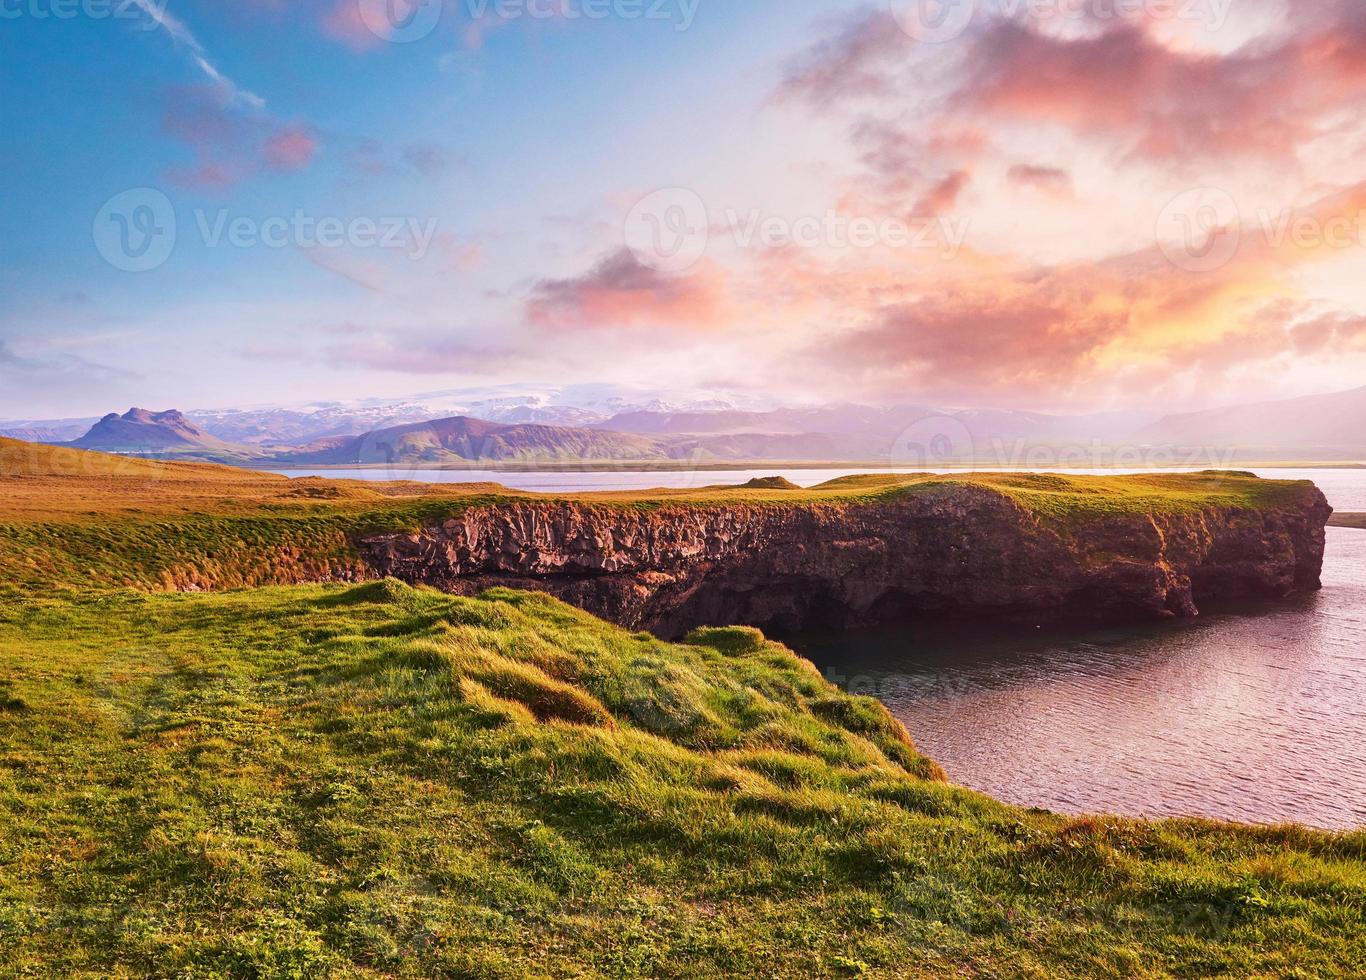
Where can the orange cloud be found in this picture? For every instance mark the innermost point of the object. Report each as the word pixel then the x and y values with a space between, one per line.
pixel 620 292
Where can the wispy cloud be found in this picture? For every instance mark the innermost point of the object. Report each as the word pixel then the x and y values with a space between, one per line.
pixel 181 34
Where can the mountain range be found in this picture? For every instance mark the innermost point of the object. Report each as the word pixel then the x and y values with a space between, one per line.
pixel 142 433
pixel 602 425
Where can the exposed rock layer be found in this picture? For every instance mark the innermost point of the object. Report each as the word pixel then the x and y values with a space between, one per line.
pixel 960 550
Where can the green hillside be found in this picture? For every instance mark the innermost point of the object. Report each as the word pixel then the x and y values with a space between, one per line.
pixel 377 781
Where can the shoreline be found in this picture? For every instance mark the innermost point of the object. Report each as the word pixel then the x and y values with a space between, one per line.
pixel 1356 521
pixel 657 466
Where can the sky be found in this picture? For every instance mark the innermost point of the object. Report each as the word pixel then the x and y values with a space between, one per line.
pixel 1052 205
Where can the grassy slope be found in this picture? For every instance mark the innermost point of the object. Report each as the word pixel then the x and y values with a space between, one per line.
pixel 70 518
pixel 381 781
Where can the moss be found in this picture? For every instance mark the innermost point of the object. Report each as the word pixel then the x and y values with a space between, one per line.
pixel 380 780
pixel 733 640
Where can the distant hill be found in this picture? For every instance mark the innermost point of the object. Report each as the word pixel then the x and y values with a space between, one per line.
pixel 1315 427
pixel 55 431
pixel 901 434
pixel 472 440
pixel 140 432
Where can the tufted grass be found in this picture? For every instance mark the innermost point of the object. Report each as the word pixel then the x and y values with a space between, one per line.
pixel 381 781
pixel 71 519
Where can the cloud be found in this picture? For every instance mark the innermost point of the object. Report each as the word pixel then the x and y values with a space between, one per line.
pixel 343 22
pixel 432 159
pixel 1000 329
pixel 156 11
pixel 1048 180
pixel 620 292
pixel 229 145
pixel 858 62
pixel 420 350
pixel 42 367
pixel 289 148
pixel 1118 80
pixel 425 352
pixel 943 195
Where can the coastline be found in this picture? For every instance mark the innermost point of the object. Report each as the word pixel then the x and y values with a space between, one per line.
pixel 685 466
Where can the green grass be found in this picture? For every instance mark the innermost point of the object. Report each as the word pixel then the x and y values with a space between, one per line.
pixel 381 781
pixel 175 526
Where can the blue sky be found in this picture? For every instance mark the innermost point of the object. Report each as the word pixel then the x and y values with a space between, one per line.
pixel 506 144
pixel 504 158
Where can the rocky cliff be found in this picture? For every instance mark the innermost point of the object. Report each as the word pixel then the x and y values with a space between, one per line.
pixel 953 549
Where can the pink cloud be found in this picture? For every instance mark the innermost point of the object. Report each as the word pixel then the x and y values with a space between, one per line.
pixel 230 144
pixel 943 195
pixel 620 292
pixel 1117 82
pixel 290 148
pixel 344 23
pixel 1047 180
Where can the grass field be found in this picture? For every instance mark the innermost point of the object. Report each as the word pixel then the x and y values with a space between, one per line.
pixel 381 781
pixel 71 518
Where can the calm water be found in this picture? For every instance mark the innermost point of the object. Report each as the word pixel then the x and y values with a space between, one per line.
pixel 1252 716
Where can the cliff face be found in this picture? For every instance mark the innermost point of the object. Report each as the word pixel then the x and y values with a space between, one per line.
pixel 961 550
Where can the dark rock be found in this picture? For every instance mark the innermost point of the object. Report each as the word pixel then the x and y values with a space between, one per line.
pixel 962 550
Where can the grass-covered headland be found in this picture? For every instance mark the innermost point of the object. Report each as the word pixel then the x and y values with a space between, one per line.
pixel 72 518
pixel 381 781
pixel 374 780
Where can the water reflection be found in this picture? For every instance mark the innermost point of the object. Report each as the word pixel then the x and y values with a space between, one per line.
pixel 1253 715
